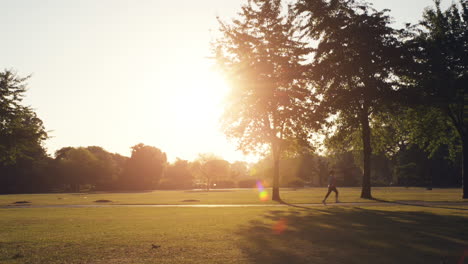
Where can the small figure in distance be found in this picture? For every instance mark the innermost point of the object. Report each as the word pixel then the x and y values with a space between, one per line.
pixel 153 246
pixel 331 187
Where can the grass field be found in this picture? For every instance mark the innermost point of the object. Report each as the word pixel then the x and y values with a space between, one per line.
pixel 234 196
pixel 399 234
pixel 322 235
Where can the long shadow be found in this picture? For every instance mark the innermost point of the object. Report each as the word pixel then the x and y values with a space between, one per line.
pixel 354 235
pixel 431 205
pixel 294 205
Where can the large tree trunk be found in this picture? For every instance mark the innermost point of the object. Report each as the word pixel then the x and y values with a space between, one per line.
pixel 465 167
pixel 367 151
pixel 276 157
pixel 276 195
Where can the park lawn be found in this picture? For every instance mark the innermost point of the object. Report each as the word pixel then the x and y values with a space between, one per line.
pixel 233 196
pixel 396 234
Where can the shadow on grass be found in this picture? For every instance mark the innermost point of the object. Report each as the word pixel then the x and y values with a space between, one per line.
pixel 354 235
pixel 422 204
pixel 209 191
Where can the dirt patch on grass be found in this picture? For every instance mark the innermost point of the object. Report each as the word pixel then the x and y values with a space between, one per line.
pixel 103 201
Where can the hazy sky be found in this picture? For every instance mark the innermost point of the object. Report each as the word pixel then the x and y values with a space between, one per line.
pixel 116 73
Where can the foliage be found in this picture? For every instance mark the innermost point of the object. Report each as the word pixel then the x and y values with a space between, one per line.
pixel 178 176
pixel 308 169
pixel 145 167
pixel 21 135
pixel 248 183
pixel 76 167
pixel 263 60
pixel 239 170
pixel 354 65
pixel 210 169
pixel 108 168
pixel 439 76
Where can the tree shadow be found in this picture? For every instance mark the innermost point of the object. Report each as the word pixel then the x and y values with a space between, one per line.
pixel 423 204
pixel 354 235
pixel 209 191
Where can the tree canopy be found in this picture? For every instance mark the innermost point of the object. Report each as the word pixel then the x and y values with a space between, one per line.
pixel 145 167
pixel 353 70
pixel 263 60
pixel 21 133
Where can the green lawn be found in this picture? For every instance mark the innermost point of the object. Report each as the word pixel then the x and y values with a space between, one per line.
pixel 397 234
pixel 235 196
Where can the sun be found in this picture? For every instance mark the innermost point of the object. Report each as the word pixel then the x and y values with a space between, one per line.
pixel 200 98
pixel 189 112
pixel 180 112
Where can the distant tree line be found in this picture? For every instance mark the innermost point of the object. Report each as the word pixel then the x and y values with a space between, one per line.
pixel 25 166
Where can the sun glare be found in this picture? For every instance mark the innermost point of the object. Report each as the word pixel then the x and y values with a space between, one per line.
pixel 200 97
pixel 195 99
pixel 191 107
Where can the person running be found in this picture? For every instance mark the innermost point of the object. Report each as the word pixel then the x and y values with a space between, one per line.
pixel 331 187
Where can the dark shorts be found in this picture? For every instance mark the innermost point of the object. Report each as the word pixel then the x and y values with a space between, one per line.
pixel 331 189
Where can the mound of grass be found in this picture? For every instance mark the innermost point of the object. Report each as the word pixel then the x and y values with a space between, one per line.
pixel 103 201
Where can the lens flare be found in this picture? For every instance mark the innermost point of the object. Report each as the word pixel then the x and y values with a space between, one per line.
pixel 280 226
pixel 262 193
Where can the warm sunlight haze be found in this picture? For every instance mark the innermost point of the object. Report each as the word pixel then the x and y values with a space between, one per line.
pixel 119 73
pixel 234 131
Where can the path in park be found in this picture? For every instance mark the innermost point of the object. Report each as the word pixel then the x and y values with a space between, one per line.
pixel 447 205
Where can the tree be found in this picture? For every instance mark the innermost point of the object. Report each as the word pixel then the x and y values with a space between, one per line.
pixel 178 175
pixel 20 129
pixel 21 133
pixel 210 169
pixel 76 167
pixel 440 75
pixel 107 168
pixel 263 60
pixel 145 167
pixel 353 70
pixel 239 169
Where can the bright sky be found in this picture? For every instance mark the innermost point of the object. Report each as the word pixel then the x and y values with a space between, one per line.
pixel 115 73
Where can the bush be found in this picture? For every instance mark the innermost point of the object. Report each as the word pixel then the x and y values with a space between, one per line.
pixel 247 184
pixel 171 185
pixel 225 184
pixel 296 183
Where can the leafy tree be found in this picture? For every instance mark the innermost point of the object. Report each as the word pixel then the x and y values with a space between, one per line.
pixel 353 70
pixel 76 167
pixel 210 169
pixel 239 169
pixel 345 169
pixel 21 135
pixel 120 163
pixel 178 175
pixel 323 171
pixel 440 74
pixel 263 60
pixel 145 167
pixel 21 131
pixel 107 169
